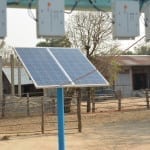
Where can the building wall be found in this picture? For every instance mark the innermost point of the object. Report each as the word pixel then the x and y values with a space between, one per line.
pixel 129 80
pixel 123 83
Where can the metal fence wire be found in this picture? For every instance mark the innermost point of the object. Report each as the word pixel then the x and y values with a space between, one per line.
pixel 34 114
pixel 21 115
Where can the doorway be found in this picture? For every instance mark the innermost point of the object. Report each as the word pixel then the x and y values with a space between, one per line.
pixel 139 81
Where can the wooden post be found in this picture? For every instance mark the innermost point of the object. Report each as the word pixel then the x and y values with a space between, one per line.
pixel 118 94
pixel 28 105
pixel 79 110
pixel 42 115
pixel 147 99
pixel 88 100
pixel 12 75
pixel 53 106
pixel 3 106
pixel 19 79
pixel 93 99
pixel 45 92
pixel 1 83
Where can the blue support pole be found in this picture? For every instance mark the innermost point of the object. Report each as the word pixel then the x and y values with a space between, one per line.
pixel 60 112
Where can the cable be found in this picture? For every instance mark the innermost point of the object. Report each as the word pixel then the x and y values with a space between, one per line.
pixel 80 77
pixel 85 75
pixel 30 13
pixel 97 8
pixel 74 6
pixel 134 43
pixel 141 3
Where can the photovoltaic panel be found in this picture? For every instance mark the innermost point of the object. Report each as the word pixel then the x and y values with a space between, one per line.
pixel 78 67
pixel 59 67
pixel 42 68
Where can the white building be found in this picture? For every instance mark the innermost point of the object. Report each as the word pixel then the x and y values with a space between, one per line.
pixel 134 75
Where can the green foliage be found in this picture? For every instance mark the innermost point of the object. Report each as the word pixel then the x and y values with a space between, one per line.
pixel 127 53
pixel 143 50
pixel 55 42
pixel 108 66
pixel 113 71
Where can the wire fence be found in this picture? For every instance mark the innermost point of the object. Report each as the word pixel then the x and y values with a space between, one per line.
pixel 115 102
pixel 32 115
pixel 31 106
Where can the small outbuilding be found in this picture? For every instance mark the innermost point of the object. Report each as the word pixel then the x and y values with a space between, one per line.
pixel 27 85
pixel 134 75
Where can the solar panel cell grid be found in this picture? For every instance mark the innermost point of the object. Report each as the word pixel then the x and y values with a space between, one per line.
pixel 43 69
pixel 77 66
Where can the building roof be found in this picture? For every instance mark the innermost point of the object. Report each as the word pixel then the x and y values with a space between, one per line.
pixel 134 60
pixel 25 79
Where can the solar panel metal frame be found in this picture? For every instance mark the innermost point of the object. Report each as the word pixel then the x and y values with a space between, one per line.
pixel 68 83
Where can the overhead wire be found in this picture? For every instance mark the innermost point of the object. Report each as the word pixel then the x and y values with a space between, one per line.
pixel 99 9
pixel 94 6
pixel 30 13
pixel 134 43
pixel 73 7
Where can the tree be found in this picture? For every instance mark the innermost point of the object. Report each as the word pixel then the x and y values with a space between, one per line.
pixel 107 64
pixel 89 31
pixel 5 52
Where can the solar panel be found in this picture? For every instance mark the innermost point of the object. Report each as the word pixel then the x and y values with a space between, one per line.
pixel 59 67
pixel 42 68
pixel 78 67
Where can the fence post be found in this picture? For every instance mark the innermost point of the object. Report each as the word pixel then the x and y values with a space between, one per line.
pixel 93 99
pixel 88 99
pixel 42 114
pixel 79 110
pixel 28 105
pixel 118 95
pixel 147 99
pixel 19 79
pixel 53 106
pixel 3 106
pixel 12 75
pixel 1 83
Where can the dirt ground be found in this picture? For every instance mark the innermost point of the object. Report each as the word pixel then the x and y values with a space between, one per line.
pixel 125 130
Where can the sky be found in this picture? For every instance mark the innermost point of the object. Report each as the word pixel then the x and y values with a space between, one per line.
pixel 21 30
